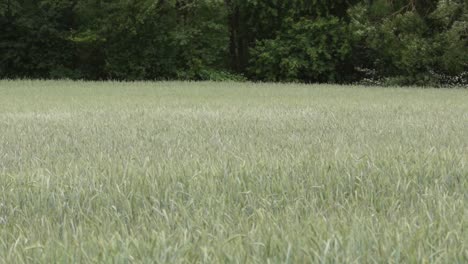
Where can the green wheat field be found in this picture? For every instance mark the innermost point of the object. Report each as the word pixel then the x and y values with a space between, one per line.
pixel 179 172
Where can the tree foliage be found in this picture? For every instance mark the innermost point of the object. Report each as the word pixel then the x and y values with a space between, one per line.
pixel 388 41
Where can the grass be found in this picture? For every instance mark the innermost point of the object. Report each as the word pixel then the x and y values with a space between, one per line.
pixel 177 172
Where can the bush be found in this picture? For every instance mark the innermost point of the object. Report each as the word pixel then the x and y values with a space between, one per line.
pixel 306 50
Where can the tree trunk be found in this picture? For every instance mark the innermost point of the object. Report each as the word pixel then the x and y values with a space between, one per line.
pixel 234 40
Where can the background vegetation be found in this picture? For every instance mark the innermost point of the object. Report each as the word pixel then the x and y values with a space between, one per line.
pixel 375 41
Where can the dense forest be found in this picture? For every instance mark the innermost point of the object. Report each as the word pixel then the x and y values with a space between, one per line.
pixel 388 42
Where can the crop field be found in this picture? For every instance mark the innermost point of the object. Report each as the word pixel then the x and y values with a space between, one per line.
pixel 179 172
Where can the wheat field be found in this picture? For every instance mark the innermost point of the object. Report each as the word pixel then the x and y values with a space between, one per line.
pixel 206 172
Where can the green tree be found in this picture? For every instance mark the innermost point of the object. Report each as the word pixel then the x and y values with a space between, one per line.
pixel 33 40
pixel 411 42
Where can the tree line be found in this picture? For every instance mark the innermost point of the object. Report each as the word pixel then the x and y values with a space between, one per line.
pixel 401 42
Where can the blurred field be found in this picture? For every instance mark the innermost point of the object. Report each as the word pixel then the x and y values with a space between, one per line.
pixel 176 172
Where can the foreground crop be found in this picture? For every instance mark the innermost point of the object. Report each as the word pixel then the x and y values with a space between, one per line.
pixel 225 172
